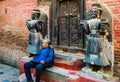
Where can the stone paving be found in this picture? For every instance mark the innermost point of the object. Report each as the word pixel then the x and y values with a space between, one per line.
pixel 8 73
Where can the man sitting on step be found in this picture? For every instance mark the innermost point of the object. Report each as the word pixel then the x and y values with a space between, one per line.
pixel 43 60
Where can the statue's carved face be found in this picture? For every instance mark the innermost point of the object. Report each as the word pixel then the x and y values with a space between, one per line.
pixel 94 13
pixel 33 15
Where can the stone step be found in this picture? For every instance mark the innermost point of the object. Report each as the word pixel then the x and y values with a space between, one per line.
pixel 61 74
pixel 57 74
pixel 71 62
pixel 68 57
pixel 66 61
pixel 54 74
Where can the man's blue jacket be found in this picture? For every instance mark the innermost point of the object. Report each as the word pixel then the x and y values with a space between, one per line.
pixel 45 54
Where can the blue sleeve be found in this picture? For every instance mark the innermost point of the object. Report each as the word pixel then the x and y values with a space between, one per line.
pixel 50 57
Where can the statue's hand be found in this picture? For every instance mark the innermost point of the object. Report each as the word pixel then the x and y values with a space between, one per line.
pixel 83 23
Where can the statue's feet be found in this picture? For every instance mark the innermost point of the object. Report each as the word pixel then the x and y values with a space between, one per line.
pixel 88 68
pixel 101 70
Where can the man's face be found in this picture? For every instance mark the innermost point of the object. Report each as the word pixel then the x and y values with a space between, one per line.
pixel 45 44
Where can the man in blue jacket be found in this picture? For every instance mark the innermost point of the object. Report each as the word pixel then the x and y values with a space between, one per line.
pixel 43 60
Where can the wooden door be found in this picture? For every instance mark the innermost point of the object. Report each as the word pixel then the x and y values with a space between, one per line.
pixel 68 23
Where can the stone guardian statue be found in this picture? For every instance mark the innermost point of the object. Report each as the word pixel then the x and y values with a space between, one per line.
pixel 97 45
pixel 35 35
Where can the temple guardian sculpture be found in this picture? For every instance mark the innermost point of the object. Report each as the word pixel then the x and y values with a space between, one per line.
pixel 35 26
pixel 98 48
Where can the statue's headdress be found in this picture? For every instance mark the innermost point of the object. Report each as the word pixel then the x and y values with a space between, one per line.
pixel 96 7
pixel 36 13
pixel 36 10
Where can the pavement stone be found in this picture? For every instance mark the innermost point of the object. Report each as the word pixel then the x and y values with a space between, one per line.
pixel 8 73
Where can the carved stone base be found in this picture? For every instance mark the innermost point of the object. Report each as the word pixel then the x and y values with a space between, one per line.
pixel 106 74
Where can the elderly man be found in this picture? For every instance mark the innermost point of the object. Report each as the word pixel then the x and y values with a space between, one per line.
pixel 43 60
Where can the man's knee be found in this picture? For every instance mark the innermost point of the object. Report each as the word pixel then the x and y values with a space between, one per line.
pixel 26 65
pixel 39 67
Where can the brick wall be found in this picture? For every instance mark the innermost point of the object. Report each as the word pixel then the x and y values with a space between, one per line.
pixel 114 6
pixel 13 14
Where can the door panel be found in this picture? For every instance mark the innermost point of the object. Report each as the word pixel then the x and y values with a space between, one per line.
pixel 63 24
pixel 63 31
pixel 68 23
pixel 74 37
pixel 63 9
pixel 73 7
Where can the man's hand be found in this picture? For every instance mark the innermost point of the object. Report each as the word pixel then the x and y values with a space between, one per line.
pixel 31 58
pixel 42 62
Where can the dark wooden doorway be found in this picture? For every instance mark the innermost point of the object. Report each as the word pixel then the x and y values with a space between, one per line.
pixel 69 32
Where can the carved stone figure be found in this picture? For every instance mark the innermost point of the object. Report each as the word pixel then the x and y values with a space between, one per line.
pixel 97 45
pixel 35 27
pixel 95 31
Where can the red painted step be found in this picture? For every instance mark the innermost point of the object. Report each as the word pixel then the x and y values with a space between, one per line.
pixel 75 64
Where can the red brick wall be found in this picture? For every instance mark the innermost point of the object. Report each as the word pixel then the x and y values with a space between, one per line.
pixel 17 11
pixel 114 6
pixel 13 30
pixel 13 14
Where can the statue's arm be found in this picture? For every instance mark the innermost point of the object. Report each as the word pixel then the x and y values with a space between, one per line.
pixel 87 29
pixel 103 27
pixel 85 26
pixel 39 25
pixel 28 24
